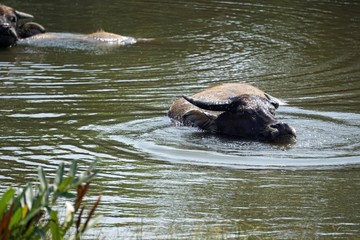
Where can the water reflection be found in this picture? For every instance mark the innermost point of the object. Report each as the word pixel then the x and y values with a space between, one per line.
pixel 159 181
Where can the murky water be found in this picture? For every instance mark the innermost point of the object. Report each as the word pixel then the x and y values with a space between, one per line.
pixel 62 101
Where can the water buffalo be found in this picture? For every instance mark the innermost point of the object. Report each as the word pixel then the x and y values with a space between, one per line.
pixel 96 37
pixel 11 32
pixel 10 29
pixel 233 109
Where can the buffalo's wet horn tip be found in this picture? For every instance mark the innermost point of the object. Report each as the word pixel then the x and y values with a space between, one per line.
pixel 22 15
pixel 212 106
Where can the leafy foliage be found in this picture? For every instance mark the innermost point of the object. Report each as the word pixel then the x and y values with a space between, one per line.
pixel 32 213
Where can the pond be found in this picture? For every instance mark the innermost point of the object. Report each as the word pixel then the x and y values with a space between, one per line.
pixel 61 101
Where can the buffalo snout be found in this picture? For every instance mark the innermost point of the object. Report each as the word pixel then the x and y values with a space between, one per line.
pixel 8 36
pixel 282 132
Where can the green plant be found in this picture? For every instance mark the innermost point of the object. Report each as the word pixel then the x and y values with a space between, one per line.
pixel 33 212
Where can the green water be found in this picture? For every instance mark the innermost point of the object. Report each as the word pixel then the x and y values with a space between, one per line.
pixel 65 100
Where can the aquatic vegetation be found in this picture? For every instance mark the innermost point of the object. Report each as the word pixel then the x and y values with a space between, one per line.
pixel 35 213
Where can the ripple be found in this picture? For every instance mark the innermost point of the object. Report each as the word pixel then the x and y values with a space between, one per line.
pixel 36 115
pixel 325 140
pixel 64 102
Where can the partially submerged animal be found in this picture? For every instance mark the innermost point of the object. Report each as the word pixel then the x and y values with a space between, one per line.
pixel 97 37
pixel 11 31
pixel 233 109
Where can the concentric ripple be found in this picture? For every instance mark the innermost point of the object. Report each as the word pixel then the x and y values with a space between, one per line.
pixel 325 140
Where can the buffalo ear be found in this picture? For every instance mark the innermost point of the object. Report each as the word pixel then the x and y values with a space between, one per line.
pixel 22 15
pixel 30 29
pixel 200 120
pixel 273 101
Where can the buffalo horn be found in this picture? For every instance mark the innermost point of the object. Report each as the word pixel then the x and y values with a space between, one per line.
pixel 225 105
pixel 22 15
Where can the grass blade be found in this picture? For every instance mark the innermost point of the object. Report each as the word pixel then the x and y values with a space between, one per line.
pixel 5 200
pixel 42 178
pixel 54 226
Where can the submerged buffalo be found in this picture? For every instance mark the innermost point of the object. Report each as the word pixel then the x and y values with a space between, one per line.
pixel 11 31
pixel 100 37
pixel 233 109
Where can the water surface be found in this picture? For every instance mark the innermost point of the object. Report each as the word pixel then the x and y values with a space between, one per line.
pixel 62 101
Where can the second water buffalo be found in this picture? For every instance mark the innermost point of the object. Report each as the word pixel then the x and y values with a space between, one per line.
pixel 99 37
pixel 11 31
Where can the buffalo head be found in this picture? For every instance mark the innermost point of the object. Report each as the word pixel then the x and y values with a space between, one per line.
pixel 248 116
pixel 10 29
pixel 234 109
